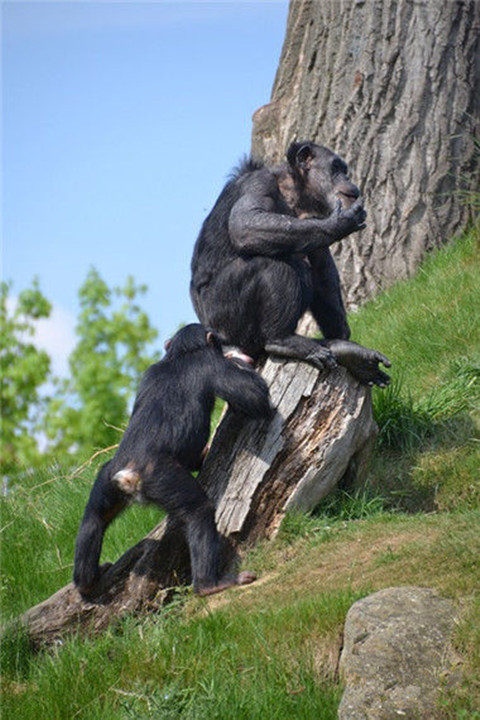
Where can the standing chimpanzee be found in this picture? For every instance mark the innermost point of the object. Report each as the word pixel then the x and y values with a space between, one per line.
pixel 262 259
pixel 165 439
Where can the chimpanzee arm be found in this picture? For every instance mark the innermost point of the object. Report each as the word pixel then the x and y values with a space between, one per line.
pixel 327 305
pixel 257 228
pixel 243 389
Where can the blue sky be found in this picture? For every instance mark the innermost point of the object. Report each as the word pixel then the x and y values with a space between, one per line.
pixel 121 123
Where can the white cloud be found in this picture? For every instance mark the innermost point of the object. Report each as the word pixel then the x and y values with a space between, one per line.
pixel 56 335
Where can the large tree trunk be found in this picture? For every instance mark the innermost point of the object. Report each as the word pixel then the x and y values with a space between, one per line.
pixel 322 431
pixel 392 86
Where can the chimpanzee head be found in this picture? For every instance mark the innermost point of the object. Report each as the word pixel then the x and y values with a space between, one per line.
pixel 190 338
pixel 321 178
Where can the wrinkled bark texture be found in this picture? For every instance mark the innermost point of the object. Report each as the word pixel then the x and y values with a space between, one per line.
pixel 393 87
pixel 322 431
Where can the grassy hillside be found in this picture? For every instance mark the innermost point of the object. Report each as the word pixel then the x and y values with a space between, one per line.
pixel 270 650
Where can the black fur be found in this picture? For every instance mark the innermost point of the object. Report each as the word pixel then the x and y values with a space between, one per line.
pixel 262 259
pixel 165 440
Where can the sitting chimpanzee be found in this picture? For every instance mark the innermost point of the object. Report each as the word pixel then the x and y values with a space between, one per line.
pixel 262 259
pixel 165 440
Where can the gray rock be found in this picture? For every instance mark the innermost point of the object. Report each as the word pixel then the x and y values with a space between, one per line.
pixel 397 655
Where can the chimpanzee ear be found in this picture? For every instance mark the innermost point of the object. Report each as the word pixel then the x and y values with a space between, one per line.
pixel 213 341
pixel 299 154
pixel 167 344
pixel 304 155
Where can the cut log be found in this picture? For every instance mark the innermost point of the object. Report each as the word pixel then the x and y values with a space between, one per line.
pixel 255 472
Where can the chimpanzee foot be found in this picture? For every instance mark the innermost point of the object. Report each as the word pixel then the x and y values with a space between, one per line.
pixel 243 578
pixel 246 577
pixel 361 362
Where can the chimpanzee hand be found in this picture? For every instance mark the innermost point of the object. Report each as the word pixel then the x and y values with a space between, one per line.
pixel 361 362
pixel 344 221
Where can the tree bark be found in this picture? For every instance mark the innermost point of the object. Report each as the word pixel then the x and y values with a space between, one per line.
pixel 392 86
pixel 322 431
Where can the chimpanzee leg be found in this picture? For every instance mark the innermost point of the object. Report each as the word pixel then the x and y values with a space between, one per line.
pixel 362 362
pixel 256 303
pixel 235 304
pixel 289 285
pixel 172 487
pixel 327 304
pixel 106 501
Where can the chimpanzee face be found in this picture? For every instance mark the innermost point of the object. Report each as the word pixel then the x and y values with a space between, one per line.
pixel 323 177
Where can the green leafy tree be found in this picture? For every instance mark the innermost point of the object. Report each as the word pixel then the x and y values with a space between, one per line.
pixel 111 354
pixel 23 369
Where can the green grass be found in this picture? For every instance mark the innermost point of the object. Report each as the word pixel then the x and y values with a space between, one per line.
pixel 39 523
pixel 429 418
pixel 221 664
pixel 427 322
pixel 271 650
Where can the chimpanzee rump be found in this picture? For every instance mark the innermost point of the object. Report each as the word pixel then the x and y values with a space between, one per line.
pixel 262 259
pixel 165 440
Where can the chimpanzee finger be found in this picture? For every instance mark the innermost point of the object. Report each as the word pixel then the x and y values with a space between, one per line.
pixel 382 379
pixel 328 362
pixel 383 359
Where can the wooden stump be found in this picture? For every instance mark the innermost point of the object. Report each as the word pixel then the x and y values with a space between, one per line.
pixel 255 472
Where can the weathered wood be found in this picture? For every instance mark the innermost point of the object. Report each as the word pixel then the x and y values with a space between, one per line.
pixel 322 429
pixel 256 472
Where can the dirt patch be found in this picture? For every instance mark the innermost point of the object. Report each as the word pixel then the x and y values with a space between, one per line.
pixel 369 558
pixel 374 556
pixel 351 560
